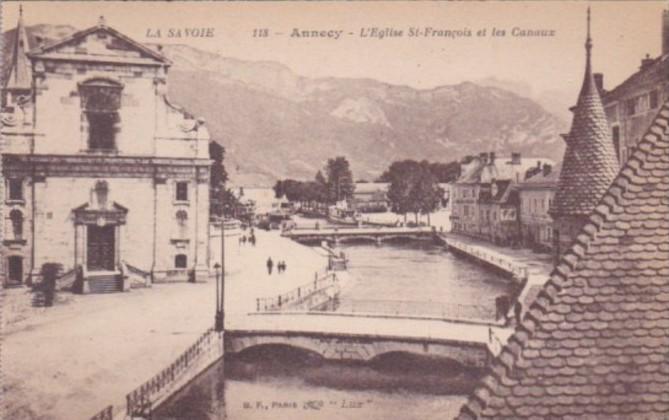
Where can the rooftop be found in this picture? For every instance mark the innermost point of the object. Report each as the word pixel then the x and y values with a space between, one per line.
pixel 594 342
pixel 590 161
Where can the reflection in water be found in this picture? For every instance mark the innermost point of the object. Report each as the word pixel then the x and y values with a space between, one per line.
pixel 272 382
pixel 279 382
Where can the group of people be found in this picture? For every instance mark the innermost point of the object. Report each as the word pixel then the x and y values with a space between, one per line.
pixel 280 266
pixel 250 239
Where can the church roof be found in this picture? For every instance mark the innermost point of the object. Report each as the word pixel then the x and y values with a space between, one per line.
pixel 53 50
pixel 20 73
pixel 594 342
pixel 590 161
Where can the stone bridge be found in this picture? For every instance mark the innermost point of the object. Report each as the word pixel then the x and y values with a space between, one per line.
pixel 338 336
pixel 372 234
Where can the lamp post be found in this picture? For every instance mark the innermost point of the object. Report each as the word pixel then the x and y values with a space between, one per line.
pixel 220 274
pixel 217 316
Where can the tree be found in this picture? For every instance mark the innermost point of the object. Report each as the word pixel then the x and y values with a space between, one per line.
pixel 279 189
pixel 217 180
pixel 413 188
pixel 339 179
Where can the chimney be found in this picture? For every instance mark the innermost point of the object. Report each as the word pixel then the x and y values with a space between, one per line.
pixel 646 62
pixel 538 164
pixel 492 158
pixel 599 82
pixel 483 157
pixel 515 158
pixel 547 169
pixel 665 32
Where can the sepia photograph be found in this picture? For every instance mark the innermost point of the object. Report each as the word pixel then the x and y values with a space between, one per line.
pixel 336 210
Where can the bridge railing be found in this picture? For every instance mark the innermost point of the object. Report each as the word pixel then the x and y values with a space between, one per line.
pixel 140 402
pixel 453 311
pixel 276 303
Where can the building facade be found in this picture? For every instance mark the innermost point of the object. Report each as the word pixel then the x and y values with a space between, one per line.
pixel 485 200
pixel 631 106
pixel 103 175
pixel 536 195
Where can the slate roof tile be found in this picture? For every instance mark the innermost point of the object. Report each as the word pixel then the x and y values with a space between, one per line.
pixel 596 344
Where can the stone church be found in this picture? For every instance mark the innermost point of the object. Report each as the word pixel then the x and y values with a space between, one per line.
pixel 101 173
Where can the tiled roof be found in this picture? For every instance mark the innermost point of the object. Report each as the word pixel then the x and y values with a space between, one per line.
pixel 540 179
pixel 590 161
pixel 20 73
pixel 595 342
pixel 501 169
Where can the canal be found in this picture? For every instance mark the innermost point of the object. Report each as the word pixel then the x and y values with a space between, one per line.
pixel 417 278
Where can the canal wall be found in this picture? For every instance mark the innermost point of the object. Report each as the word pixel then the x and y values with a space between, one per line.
pixel 518 273
pixel 142 401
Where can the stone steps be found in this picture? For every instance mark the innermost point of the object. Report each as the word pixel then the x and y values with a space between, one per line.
pixel 105 284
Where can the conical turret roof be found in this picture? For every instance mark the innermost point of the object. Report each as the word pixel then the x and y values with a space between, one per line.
pixel 590 163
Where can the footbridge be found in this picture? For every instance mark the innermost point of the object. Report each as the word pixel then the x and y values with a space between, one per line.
pixel 354 337
pixel 374 234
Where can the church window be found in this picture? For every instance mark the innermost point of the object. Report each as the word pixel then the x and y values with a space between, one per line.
pixel 15 189
pixel 182 191
pixel 16 218
pixel 180 261
pixel 101 101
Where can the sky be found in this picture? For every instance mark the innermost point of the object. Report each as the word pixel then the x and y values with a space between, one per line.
pixel 622 31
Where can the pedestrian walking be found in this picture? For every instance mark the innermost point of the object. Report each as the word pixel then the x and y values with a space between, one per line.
pixel 270 265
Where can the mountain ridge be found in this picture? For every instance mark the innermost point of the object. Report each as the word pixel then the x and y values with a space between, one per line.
pixel 276 123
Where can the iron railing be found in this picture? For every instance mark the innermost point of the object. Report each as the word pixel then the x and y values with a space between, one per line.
pixel 106 413
pixel 140 401
pixel 297 294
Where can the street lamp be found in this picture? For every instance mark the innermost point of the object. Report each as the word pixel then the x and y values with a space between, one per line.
pixel 218 318
pixel 220 273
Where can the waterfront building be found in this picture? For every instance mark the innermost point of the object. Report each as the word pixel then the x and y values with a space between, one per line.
pixel 103 175
pixel 536 195
pixel 631 106
pixel 594 342
pixel 589 163
pixel 480 212
pixel 370 197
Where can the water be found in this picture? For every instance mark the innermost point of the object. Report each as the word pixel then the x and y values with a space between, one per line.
pixel 419 278
pixel 277 382
pixel 286 384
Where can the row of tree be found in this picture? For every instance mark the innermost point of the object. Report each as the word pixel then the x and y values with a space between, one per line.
pixel 336 185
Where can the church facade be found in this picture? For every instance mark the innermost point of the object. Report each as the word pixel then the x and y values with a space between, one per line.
pixel 102 174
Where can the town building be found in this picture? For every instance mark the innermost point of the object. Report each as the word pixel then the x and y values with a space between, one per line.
pixel 631 106
pixel 485 201
pixel 594 342
pixel 369 197
pixel 103 175
pixel 536 195
pixel 589 163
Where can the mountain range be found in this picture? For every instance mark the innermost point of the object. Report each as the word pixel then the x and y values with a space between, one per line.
pixel 275 123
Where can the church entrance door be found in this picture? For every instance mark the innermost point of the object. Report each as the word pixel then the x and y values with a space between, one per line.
pixel 100 248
